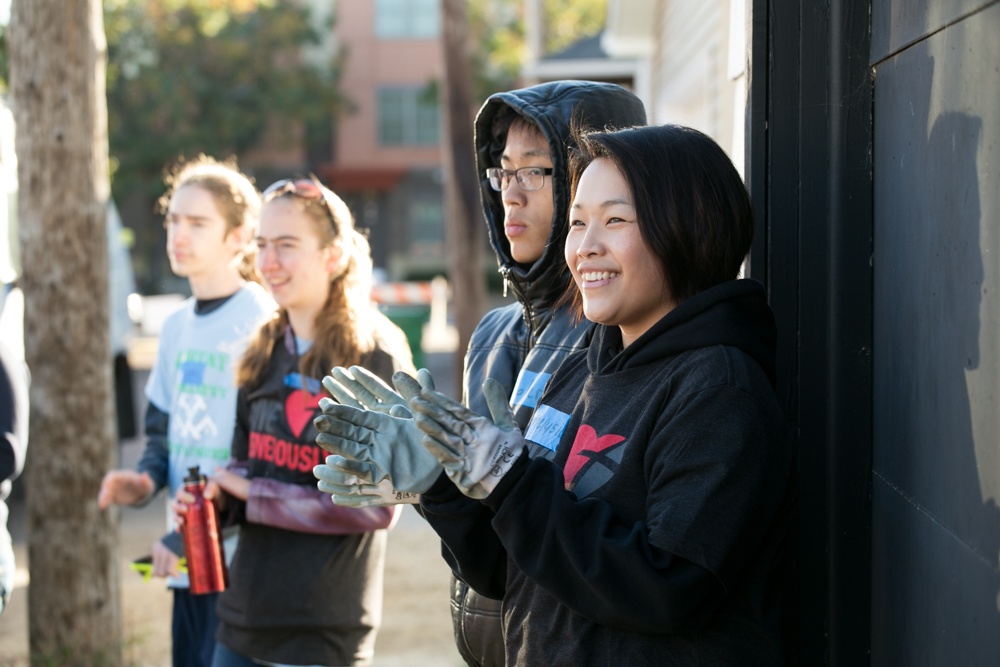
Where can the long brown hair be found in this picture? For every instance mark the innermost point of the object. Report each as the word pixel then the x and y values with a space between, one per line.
pixel 344 332
pixel 234 193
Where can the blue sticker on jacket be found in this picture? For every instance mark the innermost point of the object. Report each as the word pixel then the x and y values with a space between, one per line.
pixel 294 380
pixel 546 427
pixel 528 388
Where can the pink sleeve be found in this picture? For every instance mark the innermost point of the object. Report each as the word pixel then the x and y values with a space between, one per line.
pixel 309 510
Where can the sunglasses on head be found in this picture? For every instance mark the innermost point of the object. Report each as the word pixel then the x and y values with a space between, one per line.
pixel 300 187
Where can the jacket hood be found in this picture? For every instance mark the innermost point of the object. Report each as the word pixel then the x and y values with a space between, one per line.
pixel 552 107
pixel 733 313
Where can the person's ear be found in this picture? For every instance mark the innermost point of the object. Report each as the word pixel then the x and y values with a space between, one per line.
pixel 238 238
pixel 334 259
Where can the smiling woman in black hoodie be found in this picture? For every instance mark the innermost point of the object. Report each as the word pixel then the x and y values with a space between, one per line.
pixel 653 531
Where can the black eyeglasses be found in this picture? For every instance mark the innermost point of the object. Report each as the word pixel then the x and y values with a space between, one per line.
pixel 301 187
pixel 529 178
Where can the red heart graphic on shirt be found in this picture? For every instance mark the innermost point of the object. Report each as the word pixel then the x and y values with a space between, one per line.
pixel 300 409
pixel 587 447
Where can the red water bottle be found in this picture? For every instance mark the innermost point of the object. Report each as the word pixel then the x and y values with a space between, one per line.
pixel 202 544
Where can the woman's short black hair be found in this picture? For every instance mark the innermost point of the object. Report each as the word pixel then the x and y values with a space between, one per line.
pixel 692 207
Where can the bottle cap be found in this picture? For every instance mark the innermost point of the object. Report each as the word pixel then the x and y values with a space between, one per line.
pixel 194 476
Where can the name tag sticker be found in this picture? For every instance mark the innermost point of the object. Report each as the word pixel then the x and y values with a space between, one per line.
pixel 529 388
pixel 546 427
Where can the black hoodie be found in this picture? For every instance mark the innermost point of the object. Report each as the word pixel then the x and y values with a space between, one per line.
pixel 654 534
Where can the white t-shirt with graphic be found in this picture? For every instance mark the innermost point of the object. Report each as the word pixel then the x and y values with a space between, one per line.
pixel 194 378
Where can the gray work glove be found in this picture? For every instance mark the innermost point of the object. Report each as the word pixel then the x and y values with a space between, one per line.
pixel 339 477
pixel 362 389
pixel 381 443
pixel 475 452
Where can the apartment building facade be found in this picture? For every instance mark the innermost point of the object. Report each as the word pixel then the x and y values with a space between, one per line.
pixel 386 159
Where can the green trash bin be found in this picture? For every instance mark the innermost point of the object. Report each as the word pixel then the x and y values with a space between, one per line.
pixel 411 319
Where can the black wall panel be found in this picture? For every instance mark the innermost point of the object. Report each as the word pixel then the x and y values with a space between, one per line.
pixel 936 332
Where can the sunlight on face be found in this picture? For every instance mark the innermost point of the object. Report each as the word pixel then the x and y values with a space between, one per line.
pixel 527 213
pixel 198 241
pixel 294 267
pixel 619 278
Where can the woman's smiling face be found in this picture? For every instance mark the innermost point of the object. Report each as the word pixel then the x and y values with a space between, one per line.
pixel 620 280
pixel 295 268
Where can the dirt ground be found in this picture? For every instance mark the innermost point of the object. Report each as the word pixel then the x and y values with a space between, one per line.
pixel 416 623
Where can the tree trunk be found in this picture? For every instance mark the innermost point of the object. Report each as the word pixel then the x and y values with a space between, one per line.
pixel 464 226
pixel 57 76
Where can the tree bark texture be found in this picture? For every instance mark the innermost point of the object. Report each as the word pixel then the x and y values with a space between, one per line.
pixel 57 76
pixel 464 226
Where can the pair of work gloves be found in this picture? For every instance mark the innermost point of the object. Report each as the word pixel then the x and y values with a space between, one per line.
pixel 388 447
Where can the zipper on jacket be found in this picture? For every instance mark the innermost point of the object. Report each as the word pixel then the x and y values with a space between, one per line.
pixel 527 311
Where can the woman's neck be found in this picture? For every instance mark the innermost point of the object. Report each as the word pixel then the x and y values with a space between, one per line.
pixel 303 323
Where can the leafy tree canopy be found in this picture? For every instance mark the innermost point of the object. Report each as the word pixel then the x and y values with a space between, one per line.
pixel 498 36
pixel 219 77
pixel 212 76
pixel 566 22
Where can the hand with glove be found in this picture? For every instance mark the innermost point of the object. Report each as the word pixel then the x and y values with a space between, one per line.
pixel 372 438
pixel 340 478
pixel 360 388
pixel 475 452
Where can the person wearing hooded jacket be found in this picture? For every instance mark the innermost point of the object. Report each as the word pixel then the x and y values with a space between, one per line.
pixel 654 531
pixel 521 345
pixel 521 139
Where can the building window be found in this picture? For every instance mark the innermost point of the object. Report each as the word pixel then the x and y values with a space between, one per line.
pixel 407 116
pixel 407 19
pixel 427 228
